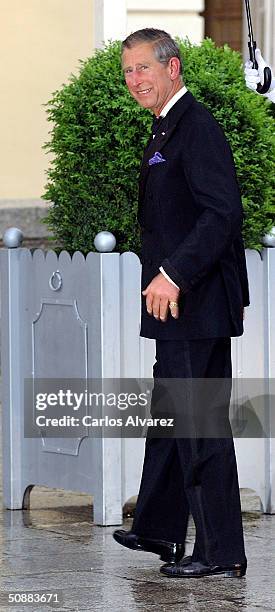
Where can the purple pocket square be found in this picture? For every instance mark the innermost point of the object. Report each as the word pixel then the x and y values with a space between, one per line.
pixel 156 159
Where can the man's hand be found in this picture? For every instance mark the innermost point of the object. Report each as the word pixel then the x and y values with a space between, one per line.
pixel 253 76
pixel 161 296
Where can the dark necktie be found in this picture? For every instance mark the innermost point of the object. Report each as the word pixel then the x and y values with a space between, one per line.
pixel 156 124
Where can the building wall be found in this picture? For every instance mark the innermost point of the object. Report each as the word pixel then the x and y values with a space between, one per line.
pixel 178 17
pixel 41 42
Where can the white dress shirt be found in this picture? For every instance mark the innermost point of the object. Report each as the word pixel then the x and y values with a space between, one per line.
pixel 173 101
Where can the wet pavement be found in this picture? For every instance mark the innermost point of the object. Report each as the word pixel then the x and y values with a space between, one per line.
pixel 55 547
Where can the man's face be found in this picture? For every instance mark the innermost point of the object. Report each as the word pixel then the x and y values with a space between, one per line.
pixel 151 83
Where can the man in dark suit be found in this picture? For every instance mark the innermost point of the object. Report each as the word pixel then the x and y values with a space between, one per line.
pixel 194 290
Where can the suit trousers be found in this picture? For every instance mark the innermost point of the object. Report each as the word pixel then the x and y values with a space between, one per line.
pixel 192 475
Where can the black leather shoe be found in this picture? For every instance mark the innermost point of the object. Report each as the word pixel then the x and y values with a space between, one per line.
pixel 196 569
pixel 168 551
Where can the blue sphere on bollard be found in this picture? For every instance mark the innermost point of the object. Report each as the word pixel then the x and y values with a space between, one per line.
pixel 105 242
pixel 269 239
pixel 12 237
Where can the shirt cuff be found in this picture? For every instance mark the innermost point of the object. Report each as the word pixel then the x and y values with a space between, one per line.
pixel 175 276
pixel 168 277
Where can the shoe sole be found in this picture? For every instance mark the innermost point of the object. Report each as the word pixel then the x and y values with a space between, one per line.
pixel 238 573
pixel 154 549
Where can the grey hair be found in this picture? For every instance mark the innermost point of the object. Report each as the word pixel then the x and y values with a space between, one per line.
pixel 163 44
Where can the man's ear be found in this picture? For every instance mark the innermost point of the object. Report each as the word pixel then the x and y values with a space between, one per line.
pixel 174 65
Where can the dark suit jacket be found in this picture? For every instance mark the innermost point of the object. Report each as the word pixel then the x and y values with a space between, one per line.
pixel 191 216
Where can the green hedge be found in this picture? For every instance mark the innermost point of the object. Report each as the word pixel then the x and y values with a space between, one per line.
pixel 99 132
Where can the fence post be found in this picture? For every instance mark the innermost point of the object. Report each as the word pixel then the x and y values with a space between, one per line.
pixel 12 392
pixel 108 499
pixel 269 285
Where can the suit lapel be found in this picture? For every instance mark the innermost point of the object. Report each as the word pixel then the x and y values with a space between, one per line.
pixel 165 132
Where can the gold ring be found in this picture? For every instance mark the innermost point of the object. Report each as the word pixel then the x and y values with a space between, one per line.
pixel 173 304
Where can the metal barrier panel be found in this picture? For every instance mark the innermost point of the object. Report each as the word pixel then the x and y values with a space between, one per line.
pixel 269 263
pixel 59 315
pixel 249 361
pixel 62 315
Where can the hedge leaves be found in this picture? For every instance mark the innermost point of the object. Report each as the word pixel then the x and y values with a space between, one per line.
pixel 99 132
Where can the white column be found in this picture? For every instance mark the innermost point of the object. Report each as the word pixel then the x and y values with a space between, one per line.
pixel 269 33
pixel 110 18
pixel 263 21
pixel 178 17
